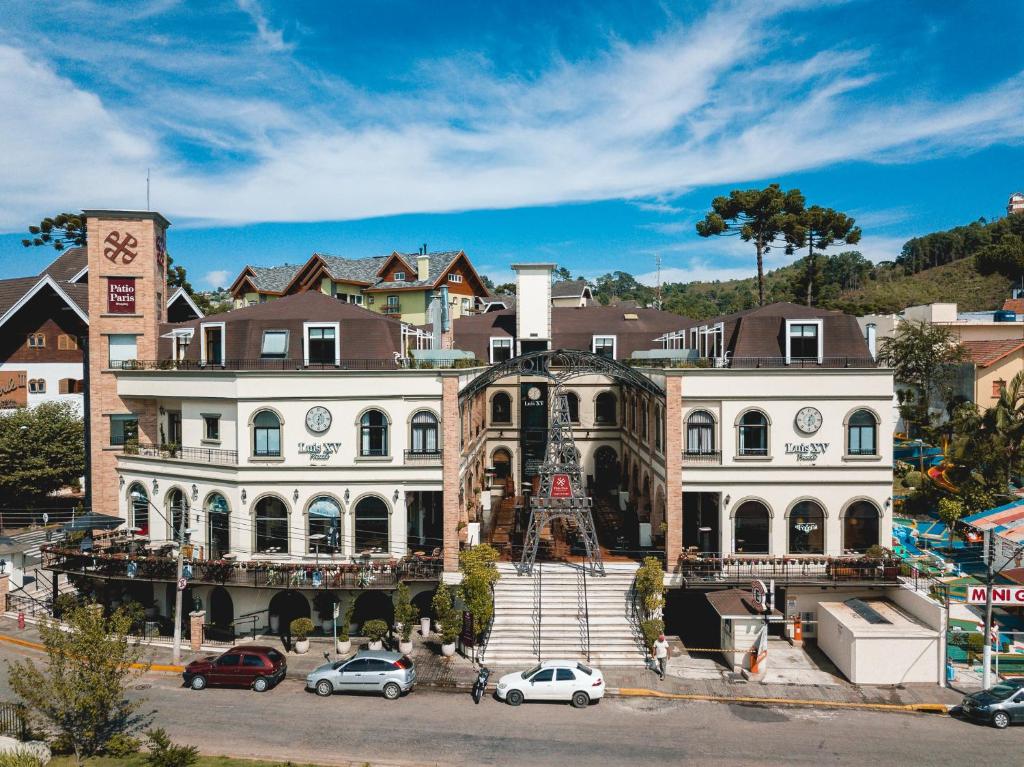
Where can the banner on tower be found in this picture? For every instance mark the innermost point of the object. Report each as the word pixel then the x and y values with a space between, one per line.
pixel 561 487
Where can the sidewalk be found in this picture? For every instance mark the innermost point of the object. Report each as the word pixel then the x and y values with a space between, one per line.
pixel 697 676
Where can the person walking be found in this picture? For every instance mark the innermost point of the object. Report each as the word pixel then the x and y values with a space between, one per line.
pixel 661 654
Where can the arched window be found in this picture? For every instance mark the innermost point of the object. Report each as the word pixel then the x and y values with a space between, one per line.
pixel 325 521
pixel 502 463
pixel 266 434
pixel 271 526
pixel 659 428
pixel 807 529
pixel 178 506
pixel 218 538
pixel 373 433
pixel 751 526
pixel 424 433
pixel 754 433
pixel 862 434
pixel 700 433
pixel 573 403
pixel 606 409
pixel 644 411
pixel 140 508
pixel 371 524
pixel 860 527
pixel 501 408
pixel 632 413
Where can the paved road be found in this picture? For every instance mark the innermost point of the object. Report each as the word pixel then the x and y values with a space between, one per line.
pixel 446 728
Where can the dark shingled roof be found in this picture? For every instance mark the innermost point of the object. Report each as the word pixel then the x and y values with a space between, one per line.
pixel 572 328
pixel 67 264
pixel 273 278
pixel 735 603
pixel 436 266
pixel 12 290
pixel 354 269
pixel 363 334
pixel 569 289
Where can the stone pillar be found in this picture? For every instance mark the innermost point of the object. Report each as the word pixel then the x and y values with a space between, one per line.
pixel 196 621
pixel 5 587
pixel 673 470
pixel 451 432
pixel 399 527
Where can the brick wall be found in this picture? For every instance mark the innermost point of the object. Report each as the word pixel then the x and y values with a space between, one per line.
pixel 451 455
pixel 150 297
pixel 673 470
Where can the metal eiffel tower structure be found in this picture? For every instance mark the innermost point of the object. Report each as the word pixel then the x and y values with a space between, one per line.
pixel 561 494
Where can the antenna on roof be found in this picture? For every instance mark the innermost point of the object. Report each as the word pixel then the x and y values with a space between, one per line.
pixel 147 188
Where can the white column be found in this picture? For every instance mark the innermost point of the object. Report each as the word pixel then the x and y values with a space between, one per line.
pixel 398 527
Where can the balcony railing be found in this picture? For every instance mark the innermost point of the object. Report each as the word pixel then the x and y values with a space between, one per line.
pixel 715 568
pixel 359 574
pixel 755 362
pixel 391 309
pixel 270 364
pixel 711 457
pixel 176 453
pixel 423 456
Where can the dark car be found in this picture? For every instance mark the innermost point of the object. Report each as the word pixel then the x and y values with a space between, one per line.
pixel 1000 706
pixel 247 666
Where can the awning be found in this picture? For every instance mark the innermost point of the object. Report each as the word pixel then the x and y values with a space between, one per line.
pixel 93 521
pixel 999 519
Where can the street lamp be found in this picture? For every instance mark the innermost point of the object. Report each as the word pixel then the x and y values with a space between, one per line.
pixel 315 539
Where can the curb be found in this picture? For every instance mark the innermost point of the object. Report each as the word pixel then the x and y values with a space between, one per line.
pixel 162 667
pixel 922 708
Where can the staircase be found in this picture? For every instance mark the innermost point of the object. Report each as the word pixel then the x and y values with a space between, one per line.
pixel 570 618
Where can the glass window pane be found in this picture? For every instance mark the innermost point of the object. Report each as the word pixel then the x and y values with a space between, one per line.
pixel 122 347
pixel 275 343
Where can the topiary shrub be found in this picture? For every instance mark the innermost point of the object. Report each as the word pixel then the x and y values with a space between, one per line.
pixel 375 630
pixel 405 611
pixel 914 479
pixel 301 628
pixel 448 619
pixel 652 628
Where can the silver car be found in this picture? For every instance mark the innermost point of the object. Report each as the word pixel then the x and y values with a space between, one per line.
pixel 388 673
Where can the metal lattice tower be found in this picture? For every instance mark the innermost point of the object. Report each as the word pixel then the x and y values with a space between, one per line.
pixel 561 494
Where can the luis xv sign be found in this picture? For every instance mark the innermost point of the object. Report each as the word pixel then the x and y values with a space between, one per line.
pixel 806 451
pixel 319 451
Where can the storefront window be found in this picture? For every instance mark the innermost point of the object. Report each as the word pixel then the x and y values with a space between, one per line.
pixel 751 528
pixel 371 524
pixel 271 526
pixel 807 529
pixel 860 527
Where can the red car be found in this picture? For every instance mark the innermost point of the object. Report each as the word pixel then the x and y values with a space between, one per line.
pixel 246 666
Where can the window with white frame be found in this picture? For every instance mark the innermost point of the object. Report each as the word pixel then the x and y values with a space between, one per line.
pixel 398 277
pixel 321 343
pixel 455 278
pixel 36 386
pixel 211 427
pixel 501 349
pixel 123 428
pixel 803 340
pixel 121 347
pixel 211 339
pixel 605 346
pixel 275 344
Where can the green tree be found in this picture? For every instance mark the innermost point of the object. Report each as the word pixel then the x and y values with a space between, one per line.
pixel 164 753
pixel 406 612
pixel 478 577
pixel 42 450
pixel 1005 257
pixel 766 217
pixel 819 229
pixel 65 230
pixel 445 614
pixel 950 512
pixel 623 286
pixel 1009 422
pixel 505 288
pixel 923 356
pixel 81 691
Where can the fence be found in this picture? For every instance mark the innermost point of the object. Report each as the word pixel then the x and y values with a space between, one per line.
pixel 13 720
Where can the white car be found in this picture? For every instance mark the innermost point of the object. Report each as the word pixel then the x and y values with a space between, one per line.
pixel 566 680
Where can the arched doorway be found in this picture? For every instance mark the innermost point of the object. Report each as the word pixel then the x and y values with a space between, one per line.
pixel 222 608
pixel 807 528
pixel 424 602
pixel 606 469
pixel 287 606
pixel 218 527
pixel 373 605
pixel 860 527
pixel 751 528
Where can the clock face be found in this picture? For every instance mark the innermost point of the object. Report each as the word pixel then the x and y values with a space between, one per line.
pixel 808 420
pixel 318 419
pixel 533 393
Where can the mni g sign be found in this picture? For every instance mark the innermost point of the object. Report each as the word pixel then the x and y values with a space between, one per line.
pixel 121 295
pixel 1001 595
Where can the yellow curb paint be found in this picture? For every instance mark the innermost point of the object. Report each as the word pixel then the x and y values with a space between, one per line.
pixel 36 646
pixel 917 707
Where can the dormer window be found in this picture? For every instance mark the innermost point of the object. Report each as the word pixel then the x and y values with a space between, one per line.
pixel 321 342
pixel 455 278
pixel 398 277
pixel 803 340
pixel 275 344
pixel 212 343
pixel 604 346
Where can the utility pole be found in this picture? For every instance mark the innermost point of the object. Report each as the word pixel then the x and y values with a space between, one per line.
pixel 986 656
pixel 178 591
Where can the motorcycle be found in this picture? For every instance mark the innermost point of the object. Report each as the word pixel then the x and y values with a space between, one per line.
pixel 480 685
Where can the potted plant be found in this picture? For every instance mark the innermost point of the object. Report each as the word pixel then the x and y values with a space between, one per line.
pixel 344 642
pixel 375 631
pixel 405 615
pixel 301 628
pixel 447 618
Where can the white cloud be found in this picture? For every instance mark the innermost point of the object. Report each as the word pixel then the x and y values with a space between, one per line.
pixel 282 142
pixel 270 37
pixel 218 278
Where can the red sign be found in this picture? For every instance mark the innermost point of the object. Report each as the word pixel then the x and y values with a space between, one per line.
pixel 561 487
pixel 121 295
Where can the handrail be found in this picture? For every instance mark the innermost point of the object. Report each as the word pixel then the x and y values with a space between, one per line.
pixel 37 605
pixel 540 606
pixel 586 608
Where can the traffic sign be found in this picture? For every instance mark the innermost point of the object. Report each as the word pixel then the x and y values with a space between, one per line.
pixel 182 584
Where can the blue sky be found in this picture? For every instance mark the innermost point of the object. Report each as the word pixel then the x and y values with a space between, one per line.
pixel 590 134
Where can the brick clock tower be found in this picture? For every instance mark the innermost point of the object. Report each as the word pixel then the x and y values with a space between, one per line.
pixel 127 302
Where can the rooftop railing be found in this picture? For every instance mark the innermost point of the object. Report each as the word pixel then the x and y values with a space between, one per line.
pixel 271 364
pixel 179 453
pixel 746 363
pixel 697 568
